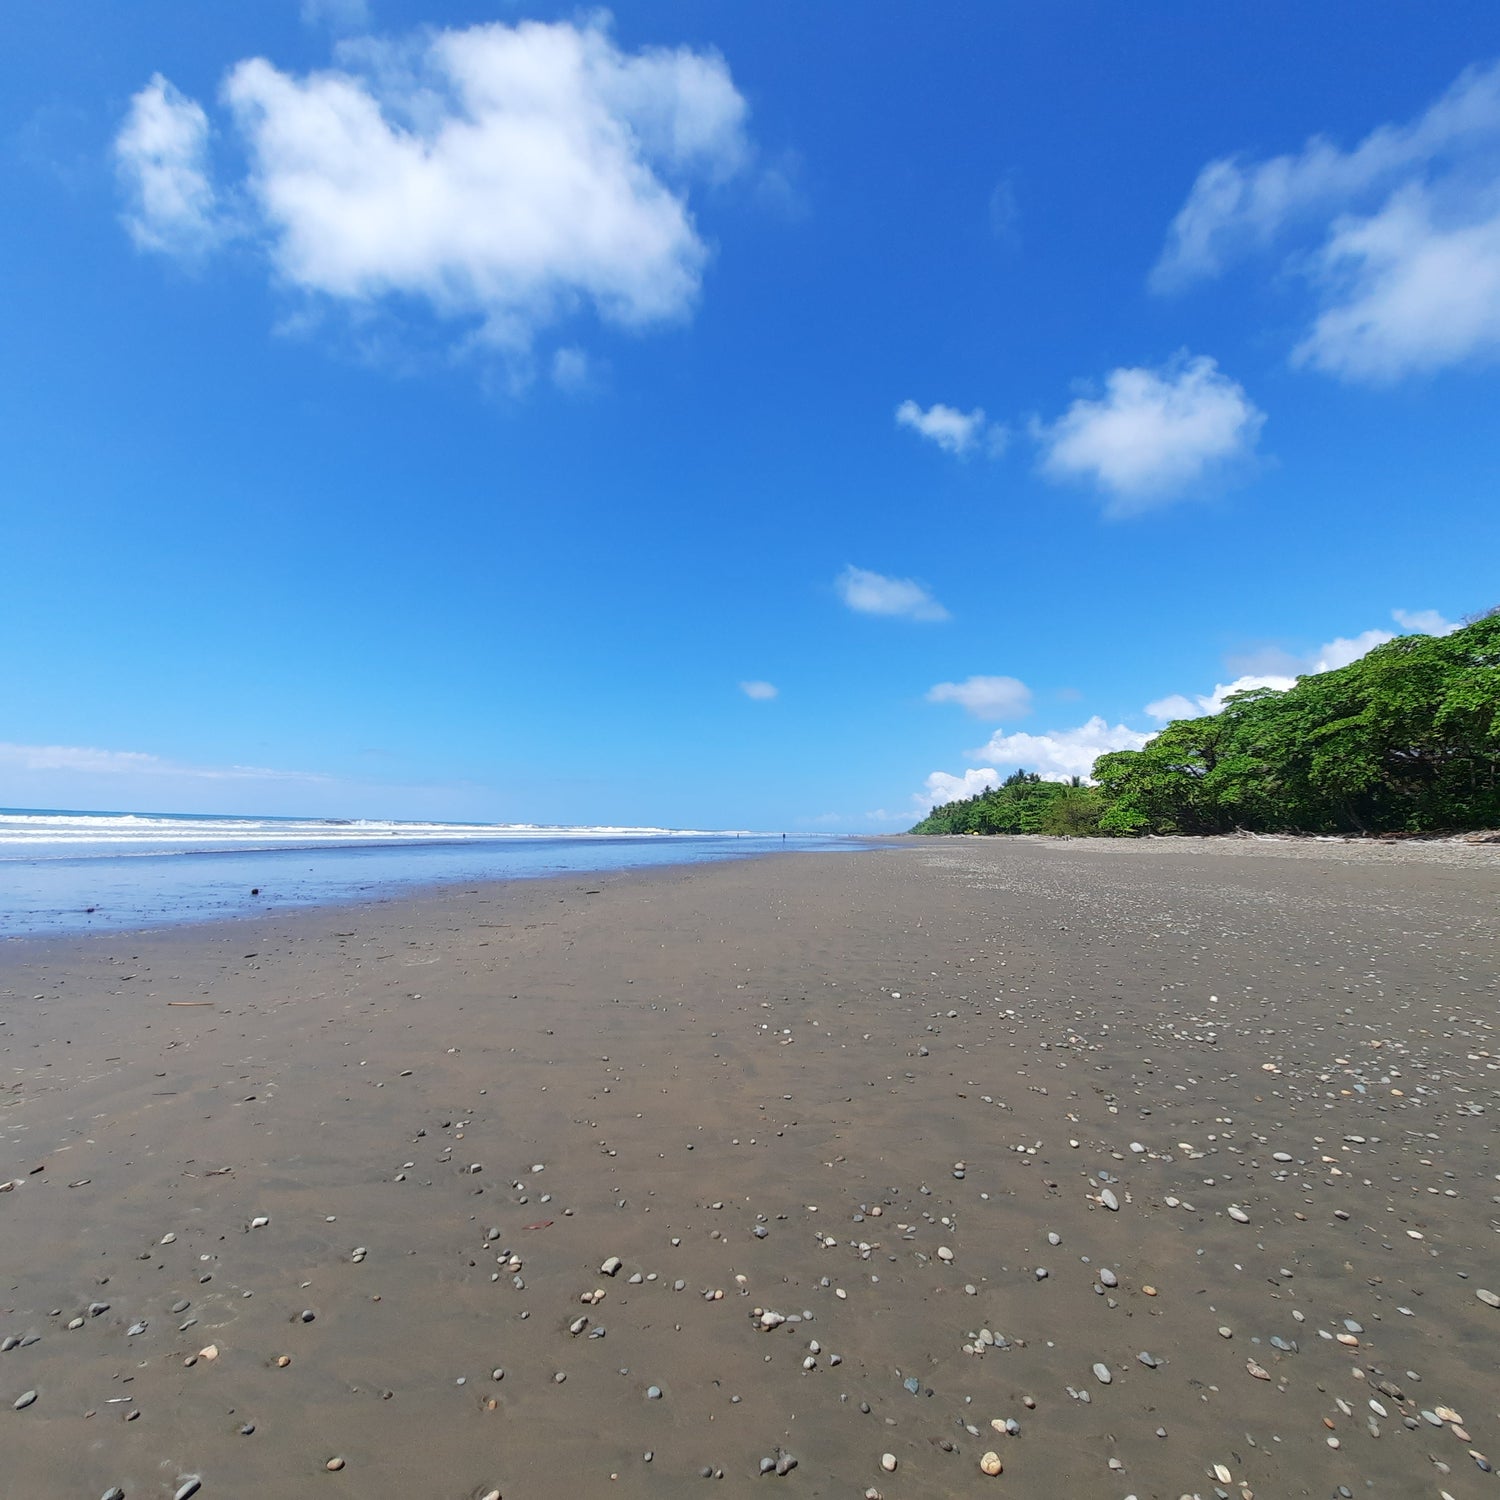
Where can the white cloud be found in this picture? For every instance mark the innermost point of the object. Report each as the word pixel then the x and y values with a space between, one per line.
pixel 942 787
pixel 1342 650
pixel 952 430
pixel 1060 753
pixel 761 691
pixel 503 176
pixel 874 594
pixel 1153 434
pixel 161 155
pixel 1178 706
pixel 1339 652
pixel 985 697
pixel 1407 292
pixel 91 761
pixel 1423 622
pixel 1401 235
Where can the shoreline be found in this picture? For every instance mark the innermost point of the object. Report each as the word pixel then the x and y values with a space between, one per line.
pixel 696 1053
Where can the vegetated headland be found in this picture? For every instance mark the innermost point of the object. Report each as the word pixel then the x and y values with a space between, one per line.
pixel 1404 740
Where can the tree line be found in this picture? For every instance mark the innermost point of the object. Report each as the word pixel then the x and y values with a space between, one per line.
pixel 1404 740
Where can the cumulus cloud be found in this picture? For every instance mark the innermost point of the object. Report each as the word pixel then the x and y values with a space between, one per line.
pixel 501 176
pixel 985 697
pixel 1200 705
pixel 952 430
pixel 161 155
pixel 761 691
pixel 870 593
pixel 1339 652
pixel 1423 622
pixel 942 787
pixel 1400 235
pixel 1153 434
pixel 1060 753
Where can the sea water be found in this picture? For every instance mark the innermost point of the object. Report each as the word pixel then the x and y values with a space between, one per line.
pixel 63 871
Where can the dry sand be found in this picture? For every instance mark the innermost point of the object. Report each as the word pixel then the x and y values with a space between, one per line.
pixel 1279 1061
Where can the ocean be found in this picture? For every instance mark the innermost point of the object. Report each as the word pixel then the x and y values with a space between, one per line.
pixel 69 871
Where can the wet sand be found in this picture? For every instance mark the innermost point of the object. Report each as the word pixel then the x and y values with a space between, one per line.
pixel 826 1111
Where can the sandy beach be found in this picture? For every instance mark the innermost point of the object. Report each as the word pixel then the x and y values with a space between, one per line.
pixel 1176 1157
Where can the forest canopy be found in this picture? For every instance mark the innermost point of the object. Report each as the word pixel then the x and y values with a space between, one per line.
pixel 1404 740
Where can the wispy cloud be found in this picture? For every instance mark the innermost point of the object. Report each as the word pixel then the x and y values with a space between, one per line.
pixel 95 762
pixel 870 593
pixel 338 15
pixel 497 175
pixel 985 697
pixel 761 692
pixel 1153 434
pixel 1399 235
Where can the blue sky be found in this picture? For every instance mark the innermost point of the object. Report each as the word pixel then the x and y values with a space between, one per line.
pixel 717 415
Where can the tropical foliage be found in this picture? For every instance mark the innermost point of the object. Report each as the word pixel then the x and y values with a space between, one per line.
pixel 1406 739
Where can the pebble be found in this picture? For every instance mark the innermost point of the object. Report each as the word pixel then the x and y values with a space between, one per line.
pixel 1490 1299
pixel 1108 1199
pixel 1108 1277
pixel 888 1462
pixel 188 1488
pixel 1149 1360
pixel 24 1400
pixel 114 1492
pixel 611 1266
pixel 990 1464
pixel 334 1465
pixel 1238 1214
pixel 1102 1374
pixel 653 1393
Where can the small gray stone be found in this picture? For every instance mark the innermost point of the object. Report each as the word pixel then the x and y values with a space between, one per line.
pixel 1101 1374
pixel 24 1400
